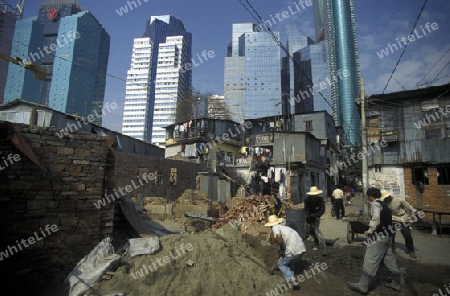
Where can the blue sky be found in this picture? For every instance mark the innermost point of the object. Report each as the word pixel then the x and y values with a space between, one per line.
pixel 378 24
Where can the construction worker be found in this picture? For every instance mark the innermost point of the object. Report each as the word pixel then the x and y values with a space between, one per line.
pixel 291 248
pixel 275 201
pixel 314 209
pixel 379 246
pixel 401 211
pixel 339 209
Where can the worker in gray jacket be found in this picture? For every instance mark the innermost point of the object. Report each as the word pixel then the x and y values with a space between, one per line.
pixel 379 244
pixel 401 212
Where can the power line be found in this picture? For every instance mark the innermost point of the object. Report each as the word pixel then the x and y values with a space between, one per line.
pixel 404 48
pixel 434 79
pixel 437 62
pixel 399 84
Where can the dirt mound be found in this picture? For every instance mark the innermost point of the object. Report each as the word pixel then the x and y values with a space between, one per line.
pixel 210 264
pixel 228 262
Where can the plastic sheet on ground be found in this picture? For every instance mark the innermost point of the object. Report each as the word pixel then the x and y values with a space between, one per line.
pixel 139 221
pixel 90 269
pixel 146 245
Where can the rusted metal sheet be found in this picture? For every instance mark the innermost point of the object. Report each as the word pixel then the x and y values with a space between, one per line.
pixel 404 114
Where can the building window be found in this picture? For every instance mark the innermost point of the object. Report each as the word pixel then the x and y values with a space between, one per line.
pixel 432 119
pixel 391 149
pixel 433 128
pixel 443 175
pixel 173 176
pixel 308 126
pixel 158 178
pixel 420 175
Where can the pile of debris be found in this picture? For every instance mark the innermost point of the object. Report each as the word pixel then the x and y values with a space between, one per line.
pixel 253 209
pixel 192 197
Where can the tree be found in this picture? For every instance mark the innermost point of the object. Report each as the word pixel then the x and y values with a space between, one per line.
pixel 196 104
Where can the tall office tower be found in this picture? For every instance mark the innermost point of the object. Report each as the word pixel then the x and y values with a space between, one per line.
pixel 170 85
pixel 252 76
pixel 137 85
pixel 73 47
pixel 293 44
pixel 335 23
pixel 8 17
pixel 159 80
pixel 312 82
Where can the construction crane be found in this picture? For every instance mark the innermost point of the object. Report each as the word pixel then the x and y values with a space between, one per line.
pixel 39 73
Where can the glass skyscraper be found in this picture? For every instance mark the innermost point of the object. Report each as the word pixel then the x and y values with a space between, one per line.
pixel 293 44
pixel 160 78
pixel 335 23
pixel 311 77
pixel 252 77
pixel 73 47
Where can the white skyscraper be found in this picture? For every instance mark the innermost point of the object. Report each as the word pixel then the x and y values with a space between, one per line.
pixel 159 79
pixel 136 95
pixel 169 85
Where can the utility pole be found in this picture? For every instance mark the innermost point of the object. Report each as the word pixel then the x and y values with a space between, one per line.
pixel 365 179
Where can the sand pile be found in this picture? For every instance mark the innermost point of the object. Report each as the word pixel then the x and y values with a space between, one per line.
pixel 201 264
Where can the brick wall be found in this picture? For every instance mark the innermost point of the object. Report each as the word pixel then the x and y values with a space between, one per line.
pixel 56 182
pixel 128 167
pixel 60 195
pixel 434 196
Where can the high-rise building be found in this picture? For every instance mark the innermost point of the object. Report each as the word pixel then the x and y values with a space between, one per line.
pixel 73 47
pixel 8 17
pixel 335 23
pixel 293 44
pixel 312 82
pixel 137 89
pixel 252 77
pixel 160 78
